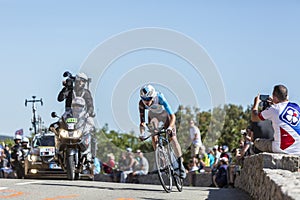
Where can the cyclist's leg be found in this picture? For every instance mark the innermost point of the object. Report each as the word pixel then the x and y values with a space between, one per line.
pixel 152 119
pixel 177 150
pixel 173 139
pixel 154 142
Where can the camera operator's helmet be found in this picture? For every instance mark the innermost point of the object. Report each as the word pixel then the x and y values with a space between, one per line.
pixel 147 92
pixel 78 107
pixel 18 137
pixel 80 80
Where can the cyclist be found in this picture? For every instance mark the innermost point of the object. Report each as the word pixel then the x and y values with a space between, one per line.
pixel 159 111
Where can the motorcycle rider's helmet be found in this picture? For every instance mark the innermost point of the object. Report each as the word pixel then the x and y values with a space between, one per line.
pixel 18 137
pixel 78 107
pixel 147 92
pixel 25 140
pixel 80 80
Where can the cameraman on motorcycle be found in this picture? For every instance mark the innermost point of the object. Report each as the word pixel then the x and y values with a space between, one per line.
pixel 79 90
pixel 71 93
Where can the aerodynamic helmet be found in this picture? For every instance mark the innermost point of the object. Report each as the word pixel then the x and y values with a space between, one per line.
pixel 147 92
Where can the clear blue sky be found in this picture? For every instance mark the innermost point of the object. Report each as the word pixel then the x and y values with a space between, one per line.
pixel 254 45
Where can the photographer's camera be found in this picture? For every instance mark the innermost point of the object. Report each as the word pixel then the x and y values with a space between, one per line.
pixel 69 83
pixel 265 101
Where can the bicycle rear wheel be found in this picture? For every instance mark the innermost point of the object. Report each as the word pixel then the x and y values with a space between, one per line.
pixel 163 166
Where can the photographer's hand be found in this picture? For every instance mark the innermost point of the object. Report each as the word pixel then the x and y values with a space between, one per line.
pixel 254 114
pixel 256 101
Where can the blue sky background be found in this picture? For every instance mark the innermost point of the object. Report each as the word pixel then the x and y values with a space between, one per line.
pixel 254 44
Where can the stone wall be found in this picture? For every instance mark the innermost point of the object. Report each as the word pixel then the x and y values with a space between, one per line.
pixel 264 176
pixel 199 180
pixel 270 176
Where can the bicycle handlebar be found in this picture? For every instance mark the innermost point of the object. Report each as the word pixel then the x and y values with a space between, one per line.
pixel 153 132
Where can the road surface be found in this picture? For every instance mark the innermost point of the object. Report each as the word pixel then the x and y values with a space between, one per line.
pixel 31 189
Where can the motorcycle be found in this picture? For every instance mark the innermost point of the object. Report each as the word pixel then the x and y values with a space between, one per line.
pixel 73 144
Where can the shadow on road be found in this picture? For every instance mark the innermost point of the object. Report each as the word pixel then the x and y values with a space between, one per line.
pixel 99 187
pixel 227 193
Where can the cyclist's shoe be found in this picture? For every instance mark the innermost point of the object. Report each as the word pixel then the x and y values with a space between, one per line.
pixel 181 169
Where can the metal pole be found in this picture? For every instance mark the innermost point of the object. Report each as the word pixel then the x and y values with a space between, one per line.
pixel 34 121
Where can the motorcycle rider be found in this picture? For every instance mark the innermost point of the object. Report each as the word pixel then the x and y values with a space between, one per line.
pixel 25 146
pixel 81 97
pixel 18 155
pixel 15 149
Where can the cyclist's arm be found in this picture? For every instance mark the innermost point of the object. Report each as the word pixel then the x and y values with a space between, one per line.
pixel 172 120
pixel 142 116
pixel 163 101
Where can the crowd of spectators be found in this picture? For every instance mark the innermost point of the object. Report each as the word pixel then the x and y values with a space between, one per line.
pixel 6 170
pixel 129 166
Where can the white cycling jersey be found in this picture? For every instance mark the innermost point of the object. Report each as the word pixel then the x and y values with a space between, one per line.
pixel 159 104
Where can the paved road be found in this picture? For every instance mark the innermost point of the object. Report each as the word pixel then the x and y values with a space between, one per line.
pixel 30 189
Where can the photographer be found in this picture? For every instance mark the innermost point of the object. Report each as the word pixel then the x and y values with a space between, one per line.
pixel 285 117
pixel 71 91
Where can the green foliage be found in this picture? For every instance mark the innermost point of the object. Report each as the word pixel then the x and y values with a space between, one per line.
pixel 235 120
pixel 219 126
pixel 116 143
pixel 8 141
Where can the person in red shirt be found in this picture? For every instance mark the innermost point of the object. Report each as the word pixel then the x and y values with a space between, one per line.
pixel 110 164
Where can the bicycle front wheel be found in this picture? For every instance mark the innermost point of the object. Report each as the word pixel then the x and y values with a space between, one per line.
pixel 163 166
pixel 176 171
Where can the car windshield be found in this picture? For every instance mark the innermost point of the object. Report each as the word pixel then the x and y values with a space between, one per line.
pixel 44 141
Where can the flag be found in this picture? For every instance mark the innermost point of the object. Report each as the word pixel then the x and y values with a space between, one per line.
pixel 19 132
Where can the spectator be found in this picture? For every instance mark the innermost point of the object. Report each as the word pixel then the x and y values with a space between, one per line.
pixel 7 154
pixel 247 147
pixel 220 178
pixel 196 140
pixel 110 164
pixel 235 165
pixel 123 163
pixel 193 170
pixel 2 156
pixel 217 154
pixel 211 157
pixel 97 164
pixel 129 168
pixel 204 161
pixel 141 167
pixel 262 129
pixel 225 152
pixel 285 117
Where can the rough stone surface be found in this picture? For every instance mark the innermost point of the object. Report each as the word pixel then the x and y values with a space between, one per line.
pixel 201 180
pixel 270 176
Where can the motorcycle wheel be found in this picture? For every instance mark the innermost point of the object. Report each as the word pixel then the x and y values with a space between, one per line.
pixel 71 167
pixel 77 176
